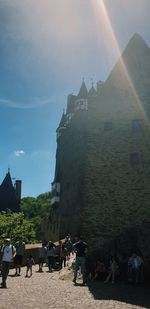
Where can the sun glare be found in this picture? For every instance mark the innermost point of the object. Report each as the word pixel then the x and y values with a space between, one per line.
pixel 102 12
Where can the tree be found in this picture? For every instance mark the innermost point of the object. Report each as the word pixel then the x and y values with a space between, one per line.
pixel 14 225
pixel 36 210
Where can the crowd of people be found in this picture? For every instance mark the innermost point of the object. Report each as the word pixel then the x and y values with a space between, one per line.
pixel 52 255
pixel 55 257
pixel 129 269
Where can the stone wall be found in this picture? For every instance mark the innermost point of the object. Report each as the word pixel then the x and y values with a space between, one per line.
pixel 117 190
pixel 103 160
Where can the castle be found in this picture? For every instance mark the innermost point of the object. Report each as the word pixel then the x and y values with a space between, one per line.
pixel 101 185
pixel 10 195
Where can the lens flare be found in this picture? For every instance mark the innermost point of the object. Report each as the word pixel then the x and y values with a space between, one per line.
pixel 102 12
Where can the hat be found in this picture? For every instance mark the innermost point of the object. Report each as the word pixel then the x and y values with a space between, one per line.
pixel 7 239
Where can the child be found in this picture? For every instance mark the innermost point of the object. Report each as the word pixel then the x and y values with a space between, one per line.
pixel 30 262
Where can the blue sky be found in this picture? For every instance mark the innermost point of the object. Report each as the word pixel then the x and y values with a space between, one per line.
pixel 46 48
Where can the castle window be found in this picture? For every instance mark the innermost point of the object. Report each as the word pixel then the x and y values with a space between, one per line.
pixel 137 126
pixel 55 188
pixel 81 104
pixel 107 125
pixel 134 158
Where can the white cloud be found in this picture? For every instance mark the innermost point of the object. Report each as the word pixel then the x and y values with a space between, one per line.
pixel 19 153
pixel 36 102
pixel 33 103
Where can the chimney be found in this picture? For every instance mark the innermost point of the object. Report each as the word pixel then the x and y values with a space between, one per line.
pixel 18 189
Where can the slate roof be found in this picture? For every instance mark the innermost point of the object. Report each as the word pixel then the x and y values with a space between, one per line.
pixel 8 198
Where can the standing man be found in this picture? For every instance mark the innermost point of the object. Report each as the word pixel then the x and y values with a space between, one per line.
pixel 20 249
pixel 80 249
pixel 42 256
pixel 68 245
pixel 51 253
pixel 8 252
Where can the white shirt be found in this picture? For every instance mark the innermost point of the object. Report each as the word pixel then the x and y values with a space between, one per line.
pixel 7 251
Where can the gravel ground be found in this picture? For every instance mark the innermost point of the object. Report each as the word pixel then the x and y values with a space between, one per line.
pixel 56 290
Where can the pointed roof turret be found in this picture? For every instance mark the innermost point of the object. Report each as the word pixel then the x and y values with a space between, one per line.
pixel 83 93
pixel 136 50
pixel 7 182
pixel 133 66
pixel 129 81
pixel 138 40
pixel 92 92
pixel 8 198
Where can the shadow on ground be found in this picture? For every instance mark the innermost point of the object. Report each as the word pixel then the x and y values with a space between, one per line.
pixel 134 295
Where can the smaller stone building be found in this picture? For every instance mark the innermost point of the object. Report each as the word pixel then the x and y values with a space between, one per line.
pixel 10 195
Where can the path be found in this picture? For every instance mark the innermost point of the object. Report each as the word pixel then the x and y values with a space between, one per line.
pixel 56 290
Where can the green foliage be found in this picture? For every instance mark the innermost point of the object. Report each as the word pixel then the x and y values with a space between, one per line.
pixel 14 225
pixel 36 207
pixel 27 223
pixel 36 210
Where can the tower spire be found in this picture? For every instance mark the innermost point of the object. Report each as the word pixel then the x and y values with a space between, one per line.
pixel 83 91
pixel 92 91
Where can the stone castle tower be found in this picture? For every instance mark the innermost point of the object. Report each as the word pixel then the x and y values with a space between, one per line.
pixel 102 178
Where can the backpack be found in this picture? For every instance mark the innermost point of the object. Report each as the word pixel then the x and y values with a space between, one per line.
pixel 12 248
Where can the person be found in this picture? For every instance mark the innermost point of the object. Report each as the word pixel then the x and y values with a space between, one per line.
pixel 135 268
pixel 29 264
pixel 63 255
pixel 42 256
pixel 113 270
pixel 68 245
pixel 51 255
pixel 20 249
pixel 57 251
pixel 8 253
pixel 100 270
pixel 80 249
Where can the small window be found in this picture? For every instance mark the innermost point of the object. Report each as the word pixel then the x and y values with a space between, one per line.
pixel 134 158
pixel 107 125
pixel 137 126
